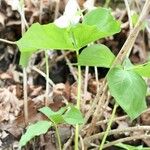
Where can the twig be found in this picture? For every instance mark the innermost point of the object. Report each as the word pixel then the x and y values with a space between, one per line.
pixel 136 137
pixel 25 88
pixel 96 77
pixel 99 123
pixel 70 66
pixel 47 77
pixel 91 110
pixel 7 41
pixel 115 132
pixel 43 74
pixel 129 14
pixel 82 143
pixel 66 145
pixel 85 87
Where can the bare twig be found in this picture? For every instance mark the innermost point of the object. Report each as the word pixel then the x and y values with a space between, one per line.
pixel 7 41
pixel 70 66
pixel 87 140
pixel 43 74
pixel 129 14
pixel 85 82
pixel 96 77
pixel 136 137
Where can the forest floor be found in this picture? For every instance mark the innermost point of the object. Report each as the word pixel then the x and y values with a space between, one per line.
pixel 63 76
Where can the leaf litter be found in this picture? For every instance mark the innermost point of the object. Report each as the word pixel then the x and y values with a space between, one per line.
pixel 11 97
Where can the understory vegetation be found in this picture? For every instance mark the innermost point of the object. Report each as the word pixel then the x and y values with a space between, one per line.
pixel 75 74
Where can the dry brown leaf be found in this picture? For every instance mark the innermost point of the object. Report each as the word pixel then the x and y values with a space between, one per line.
pixel 9 104
pixel 2 19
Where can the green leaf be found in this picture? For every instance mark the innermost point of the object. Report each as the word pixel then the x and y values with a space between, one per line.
pixel 96 55
pixel 45 37
pixel 54 116
pixel 143 70
pixel 103 20
pixel 73 116
pixel 52 37
pixel 41 127
pixel 129 147
pixel 135 18
pixel 129 90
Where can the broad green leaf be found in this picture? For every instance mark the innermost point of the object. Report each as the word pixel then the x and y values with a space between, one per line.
pixel 143 69
pixel 129 147
pixel 73 116
pixel 45 37
pixel 72 38
pixel 104 21
pixel 53 116
pixel 129 90
pixel 85 34
pixel 96 55
pixel 41 127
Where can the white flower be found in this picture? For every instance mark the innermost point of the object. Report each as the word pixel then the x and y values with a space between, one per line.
pixel 71 15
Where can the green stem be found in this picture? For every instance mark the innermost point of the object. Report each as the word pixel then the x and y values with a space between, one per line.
pixel 107 3
pixel 78 103
pixel 109 126
pixel 79 92
pixel 58 136
pixel 25 95
pixel 47 78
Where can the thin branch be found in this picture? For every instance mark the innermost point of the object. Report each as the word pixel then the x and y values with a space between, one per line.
pixel 96 77
pixel 43 74
pixel 129 14
pixel 7 41
pixel 136 137
pixel 115 132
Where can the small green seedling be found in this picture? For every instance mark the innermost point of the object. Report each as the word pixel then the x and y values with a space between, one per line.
pixel 69 114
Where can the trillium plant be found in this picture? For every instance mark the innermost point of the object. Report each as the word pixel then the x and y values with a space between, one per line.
pixel 73 31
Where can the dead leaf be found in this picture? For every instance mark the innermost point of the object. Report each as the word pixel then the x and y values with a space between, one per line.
pixel 9 103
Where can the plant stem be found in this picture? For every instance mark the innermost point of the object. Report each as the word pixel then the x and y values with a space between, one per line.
pixel 58 136
pixel 78 103
pixel 107 3
pixel 25 95
pixel 76 137
pixel 109 126
pixel 47 79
